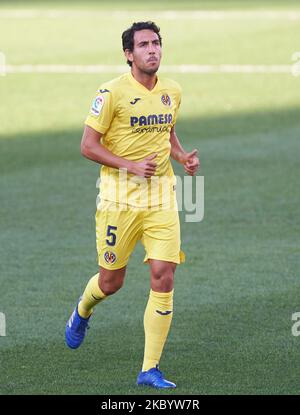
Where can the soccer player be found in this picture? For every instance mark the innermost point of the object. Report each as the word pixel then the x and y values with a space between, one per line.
pixel 131 129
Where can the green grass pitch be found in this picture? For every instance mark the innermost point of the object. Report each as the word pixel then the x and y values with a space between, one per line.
pixel 235 296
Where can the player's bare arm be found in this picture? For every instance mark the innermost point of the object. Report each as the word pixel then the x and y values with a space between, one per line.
pixel 92 149
pixel 190 160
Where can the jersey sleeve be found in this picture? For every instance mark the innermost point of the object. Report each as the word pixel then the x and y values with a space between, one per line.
pixel 178 102
pixel 101 111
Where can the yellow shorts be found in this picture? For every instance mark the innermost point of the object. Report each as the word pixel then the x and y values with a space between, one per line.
pixel 118 231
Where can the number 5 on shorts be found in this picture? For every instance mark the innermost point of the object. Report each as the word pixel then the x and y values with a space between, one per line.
pixel 112 235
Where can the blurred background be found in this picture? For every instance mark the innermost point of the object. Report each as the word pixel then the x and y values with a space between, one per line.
pixel 236 293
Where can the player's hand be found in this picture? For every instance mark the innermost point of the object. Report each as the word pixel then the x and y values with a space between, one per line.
pixel 145 168
pixel 191 163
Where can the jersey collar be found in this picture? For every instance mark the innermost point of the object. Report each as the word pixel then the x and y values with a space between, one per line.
pixel 142 87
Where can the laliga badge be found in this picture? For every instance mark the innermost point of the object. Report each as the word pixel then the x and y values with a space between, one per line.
pixel 97 105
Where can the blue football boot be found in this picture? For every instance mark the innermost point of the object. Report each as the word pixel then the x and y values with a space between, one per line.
pixel 154 378
pixel 76 328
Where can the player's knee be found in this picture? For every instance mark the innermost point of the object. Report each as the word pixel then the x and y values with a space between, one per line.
pixel 163 278
pixel 111 281
pixel 162 271
pixel 110 288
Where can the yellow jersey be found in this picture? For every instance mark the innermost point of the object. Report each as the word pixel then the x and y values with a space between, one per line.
pixel 135 123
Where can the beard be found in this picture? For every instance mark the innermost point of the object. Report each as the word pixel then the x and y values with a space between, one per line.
pixel 148 68
pixel 150 71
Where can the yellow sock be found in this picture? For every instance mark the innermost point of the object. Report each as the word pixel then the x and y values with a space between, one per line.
pixel 157 322
pixel 92 295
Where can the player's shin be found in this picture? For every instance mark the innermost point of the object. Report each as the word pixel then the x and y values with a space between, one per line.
pixel 157 322
pixel 92 295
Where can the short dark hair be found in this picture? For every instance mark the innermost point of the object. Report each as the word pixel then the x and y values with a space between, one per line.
pixel 128 35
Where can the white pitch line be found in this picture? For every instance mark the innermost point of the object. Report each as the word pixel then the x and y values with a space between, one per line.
pixel 163 14
pixel 197 69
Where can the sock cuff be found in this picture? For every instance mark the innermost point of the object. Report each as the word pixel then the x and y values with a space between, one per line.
pixel 161 299
pixel 161 295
